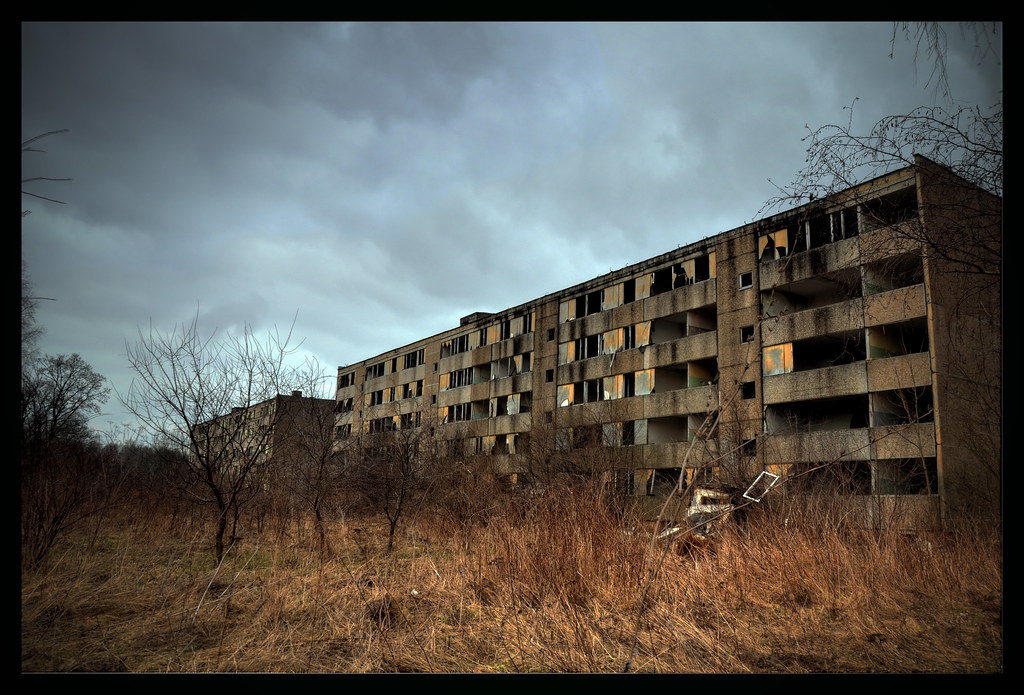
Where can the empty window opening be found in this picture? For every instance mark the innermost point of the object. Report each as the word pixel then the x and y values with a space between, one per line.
pixel 827 228
pixel 906 477
pixel 822 290
pixel 893 273
pixel 829 478
pixel 663 430
pixel 413 359
pixel 746 334
pixel 746 281
pixel 408 420
pixel 375 370
pixel 661 281
pixel 889 210
pixel 902 407
pixel 455 346
pixel 773 245
pixel 896 339
pixel 829 351
pixel 549 375
pixel 749 447
pixel 748 390
pixel 348 379
pixel 665 481
pixel 703 320
pixel 551 334
pixel 825 415
pixel 702 426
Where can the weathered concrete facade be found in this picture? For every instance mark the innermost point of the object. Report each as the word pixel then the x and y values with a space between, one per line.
pixel 859 333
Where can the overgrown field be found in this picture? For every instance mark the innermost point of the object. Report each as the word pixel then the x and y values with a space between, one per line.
pixel 537 584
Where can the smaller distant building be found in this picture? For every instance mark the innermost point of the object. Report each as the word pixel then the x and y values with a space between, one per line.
pixel 274 429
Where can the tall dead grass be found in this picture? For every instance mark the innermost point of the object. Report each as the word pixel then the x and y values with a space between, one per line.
pixel 548 584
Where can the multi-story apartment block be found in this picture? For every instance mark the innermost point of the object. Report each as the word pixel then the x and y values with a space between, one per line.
pixel 275 429
pixel 859 334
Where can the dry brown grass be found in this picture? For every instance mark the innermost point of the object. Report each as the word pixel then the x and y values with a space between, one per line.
pixel 548 585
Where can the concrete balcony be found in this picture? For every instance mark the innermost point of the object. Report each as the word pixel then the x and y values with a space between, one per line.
pixel 812 384
pixel 701 399
pixel 808 264
pixel 682 299
pixel 508 424
pixel 813 447
pixel 895 305
pixel 673 454
pixel 834 318
pixel 903 441
pixel 694 347
pixel 903 371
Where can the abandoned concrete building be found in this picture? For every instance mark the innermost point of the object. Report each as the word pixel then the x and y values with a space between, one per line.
pixel 850 346
pixel 252 436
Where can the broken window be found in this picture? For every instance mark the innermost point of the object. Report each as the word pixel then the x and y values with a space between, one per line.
pixel 344 406
pixel 642 334
pixel 642 286
pixel 342 431
pixel 746 281
pixel 774 245
pixel 778 359
pixel 664 481
pixel 346 380
pixel 611 341
pixel 375 370
pixel 413 359
pixel 455 346
pixel 517 404
pixel 566 311
pixel 683 274
pixel 614 386
pixel 611 297
pixel 661 281
pixel 644 382
pixel 408 420
pixel 586 347
pixel 498 406
pixel 746 334
pixel 566 352
pixel 564 394
pixel 459 412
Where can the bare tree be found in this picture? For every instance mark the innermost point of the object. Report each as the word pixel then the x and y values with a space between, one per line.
pixel 66 477
pixel 394 472
pixel 311 462
pixel 212 399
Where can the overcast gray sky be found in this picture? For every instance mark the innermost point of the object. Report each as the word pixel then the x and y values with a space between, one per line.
pixel 383 180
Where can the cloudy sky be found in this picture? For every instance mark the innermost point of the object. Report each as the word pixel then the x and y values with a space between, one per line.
pixel 382 180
